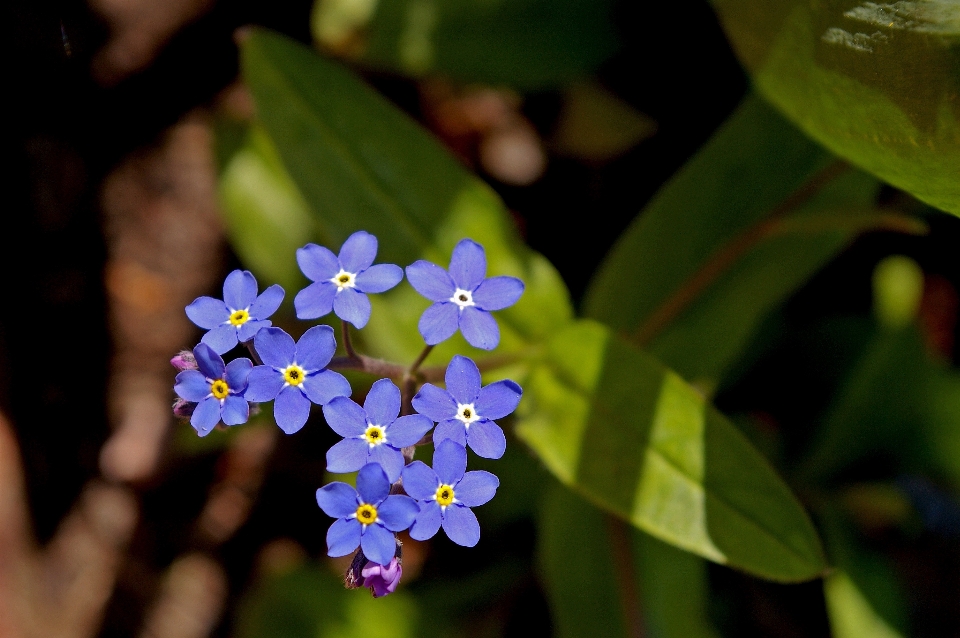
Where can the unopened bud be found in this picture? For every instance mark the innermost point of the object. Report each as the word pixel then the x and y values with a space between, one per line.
pixel 183 409
pixel 382 579
pixel 184 361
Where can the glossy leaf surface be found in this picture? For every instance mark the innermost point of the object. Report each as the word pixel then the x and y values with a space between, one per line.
pixel 611 422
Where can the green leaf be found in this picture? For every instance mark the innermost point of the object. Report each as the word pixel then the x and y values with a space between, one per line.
pixel 723 243
pixel 361 163
pixel 878 84
pixel 529 44
pixel 635 439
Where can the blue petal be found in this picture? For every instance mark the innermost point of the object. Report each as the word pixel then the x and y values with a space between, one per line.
pixel 291 409
pixel 353 306
pixel 221 339
pixel 382 404
pixel 209 362
pixel 358 252
pixel 451 429
pixel 468 264
pixel 324 386
pixel 479 328
pixel 461 525
pixel 349 455
pixel 378 544
pixel 497 293
pixel 463 379
pixel 235 410
pixel 205 416
pixel 439 322
pixel 267 303
pixel 191 385
pixel 263 384
pixel 430 280
pixel 343 537
pixel 407 430
pixel 207 312
pixel 372 483
pixel 499 399
pixel 476 488
pixel 427 522
pixel 337 499
pixel 398 512
pixel 249 330
pixel 449 461
pixel 239 289
pixel 419 481
pixel 316 348
pixel 486 439
pixel 379 278
pixel 315 301
pixel 317 263
pixel 237 373
pixel 389 458
pixel 275 347
pixel 345 417
pixel 434 403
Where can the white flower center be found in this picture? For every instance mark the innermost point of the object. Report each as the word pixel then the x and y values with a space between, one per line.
pixel 344 279
pixel 375 435
pixel 467 413
pixel 462 298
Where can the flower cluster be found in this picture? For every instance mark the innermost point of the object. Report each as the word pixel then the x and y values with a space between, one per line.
pixel 393 492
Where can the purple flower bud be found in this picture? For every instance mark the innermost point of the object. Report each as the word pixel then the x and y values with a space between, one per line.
pixel 183 409
pixel 184 361
pixel 382 579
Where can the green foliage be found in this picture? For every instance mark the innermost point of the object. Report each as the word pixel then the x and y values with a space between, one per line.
pixel 636 440
pixel 529 44
pixel 878 84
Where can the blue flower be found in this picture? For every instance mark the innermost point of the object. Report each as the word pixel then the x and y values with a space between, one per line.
pixel 217 389
pixel 239 316
pixel 463 298
pixel 373 433
pixel 446 494
pixel 341 283
pixel 367 516
pixel 295 374
pixel 465 412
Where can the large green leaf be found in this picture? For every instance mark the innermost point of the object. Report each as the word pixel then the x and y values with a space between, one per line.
pixel 529 44
pixel 359 162
pixel 717 248
pixel 635 439
pixel 877 83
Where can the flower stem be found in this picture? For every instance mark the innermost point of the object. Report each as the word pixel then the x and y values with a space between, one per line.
pixel 253 352
pixel 410 381
pixel 347 344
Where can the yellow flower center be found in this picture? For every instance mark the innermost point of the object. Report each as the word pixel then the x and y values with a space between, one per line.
pixel 239 317
pixel 375 435
pixel 220 389
pixel 467 413
pixel 367 514
pixel 444 495
pixel 344 279
pixel 294 374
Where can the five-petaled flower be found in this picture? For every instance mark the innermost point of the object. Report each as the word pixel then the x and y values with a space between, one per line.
pixel 465 412
pixel 446 494
pixel 367 516
pixel 462 297
pixel 373 433
pixel 239 316
pixel 295 374
pixel 341 282
pixel 217 389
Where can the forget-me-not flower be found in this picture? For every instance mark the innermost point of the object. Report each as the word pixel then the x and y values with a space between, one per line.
pixel 239 316
pixel 465 412
pixel 295 374
pixel 367 516
pixel 462 297
pixel 382 579
pixel 373 433
pixel 341 282
pixel 217 389
pixel 446 493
